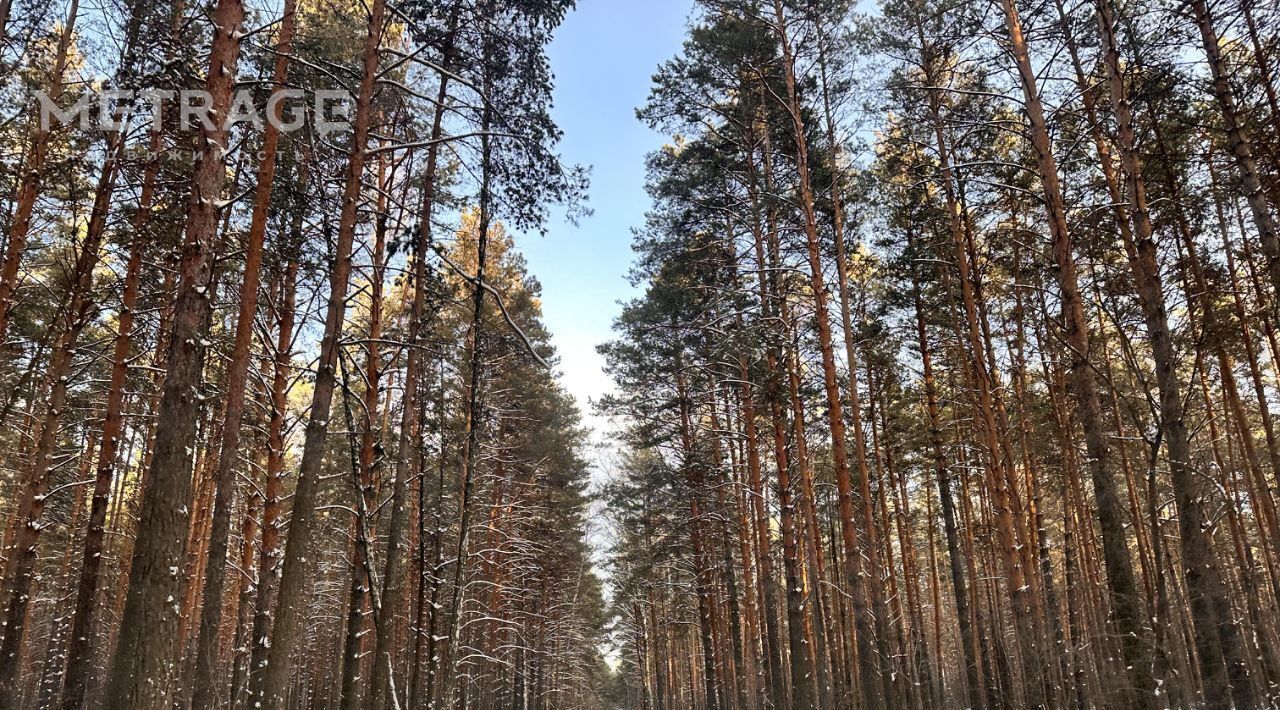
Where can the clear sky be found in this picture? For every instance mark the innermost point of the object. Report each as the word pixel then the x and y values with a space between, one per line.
pixel 603 56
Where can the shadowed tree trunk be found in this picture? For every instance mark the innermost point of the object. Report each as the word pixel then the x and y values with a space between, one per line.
pixel 142 668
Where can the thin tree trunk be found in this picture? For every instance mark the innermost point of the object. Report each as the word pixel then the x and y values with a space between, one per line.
pixel 76 311
pixel 970 651
pixel 272 494
pixel 271 690
pixel 1241 149
pixel 475 361
pixel 872 664
pixel 417 315
pixel 406 458
pixel 34 164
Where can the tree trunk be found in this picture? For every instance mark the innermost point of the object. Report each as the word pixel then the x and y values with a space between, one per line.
pixel 1240 144
pixel 369 464
pixel 207 682
pixel 970 652
pixel 417 315
pixel 273 492
pixel 33 167
pixel 76 312
pixel 271 688
pixel 872 667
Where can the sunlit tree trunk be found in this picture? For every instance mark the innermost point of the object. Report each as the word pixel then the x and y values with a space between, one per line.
pixel 206 682
pixel 271 687
pixel 33 164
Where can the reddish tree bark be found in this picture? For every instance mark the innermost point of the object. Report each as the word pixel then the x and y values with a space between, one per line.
pixel 142 667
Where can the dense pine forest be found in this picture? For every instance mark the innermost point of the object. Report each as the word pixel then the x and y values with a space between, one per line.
pixel 950 379
pixel 280 426
pixel 954 378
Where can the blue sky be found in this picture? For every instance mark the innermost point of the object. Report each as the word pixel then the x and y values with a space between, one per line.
pixel 603 56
